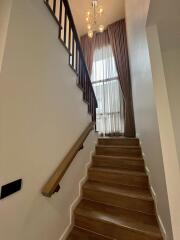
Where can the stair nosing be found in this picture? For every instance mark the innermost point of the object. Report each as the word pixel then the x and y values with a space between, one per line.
pixel 111 170
pixel 87 230
pixel 131 228
pixel 138 159
pixel 118 146
pixel 149 199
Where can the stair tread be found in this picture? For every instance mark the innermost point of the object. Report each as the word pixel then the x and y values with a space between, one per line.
pixel 81 233
pixel 120 190
pixel 117 138
pixel 139 159
pixel 117 171
pixel 96 212
pixel 118 146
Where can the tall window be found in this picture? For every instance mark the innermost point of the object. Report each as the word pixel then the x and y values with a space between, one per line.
pixel 110 115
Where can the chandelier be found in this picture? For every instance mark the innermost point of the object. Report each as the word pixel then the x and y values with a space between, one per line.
pixel 93 18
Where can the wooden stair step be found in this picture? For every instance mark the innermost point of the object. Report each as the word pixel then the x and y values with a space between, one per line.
pixel 83 234
pixel 121 177
pixel 118 162
pixel 99 218
pixel 122 196
pixel 119 141
pixel 132 151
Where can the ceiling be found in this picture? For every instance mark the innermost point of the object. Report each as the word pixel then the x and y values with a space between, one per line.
pixel 113 11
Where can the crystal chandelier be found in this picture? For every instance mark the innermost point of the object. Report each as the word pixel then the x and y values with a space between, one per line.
pixel 93 17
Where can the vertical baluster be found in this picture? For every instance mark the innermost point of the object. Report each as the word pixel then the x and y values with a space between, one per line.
pixel 89 98
pixel 82 75
pixel 77 61
pixel 69 40
pixel 92 109
pixel 73 51
pixel 65 26
pixel 60 19
pixel 84 88
pixel 79 74
pixel 54 6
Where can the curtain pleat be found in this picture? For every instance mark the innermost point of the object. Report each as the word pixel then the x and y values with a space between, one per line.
pixel 110 114
pixel 115 35
pixel 118 40
pixel 88 46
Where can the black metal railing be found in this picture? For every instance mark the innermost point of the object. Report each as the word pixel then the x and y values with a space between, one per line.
pixel 61 12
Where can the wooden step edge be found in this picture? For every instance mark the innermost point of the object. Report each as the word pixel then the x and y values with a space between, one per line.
pixel 118 146
pixel 121 138
pixel 128 158
pixel 92 232
pixel 153 214
pixel 128 226
pixel 118 171
pixel 129 195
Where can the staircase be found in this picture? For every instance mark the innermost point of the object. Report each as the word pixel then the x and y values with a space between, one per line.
pixel 116 201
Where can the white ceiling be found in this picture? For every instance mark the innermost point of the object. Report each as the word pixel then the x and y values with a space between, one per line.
pixel 113 11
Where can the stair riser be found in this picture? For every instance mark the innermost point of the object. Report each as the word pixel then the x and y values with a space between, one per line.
pixel 111 230
pixel 119 142
pixel 122 179
pixel 82 234
pixel 132 152
pixel 119 164
pixel 121 201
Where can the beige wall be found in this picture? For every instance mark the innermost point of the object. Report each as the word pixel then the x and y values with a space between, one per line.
pixel 164 43
pixel 167 20
pixel 5 9
pixel 170 157
pixel 41 115
pixel 171 60
pixel 145 107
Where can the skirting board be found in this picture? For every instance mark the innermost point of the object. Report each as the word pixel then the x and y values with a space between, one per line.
pixel 77 200
pixel 161 225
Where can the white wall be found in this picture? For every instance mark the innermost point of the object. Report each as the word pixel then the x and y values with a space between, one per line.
pixel 164 45
pixel 41 116
pixel 170 157
pixel 171 60
pixel 145 107
pixel 167 20
pixel 5 10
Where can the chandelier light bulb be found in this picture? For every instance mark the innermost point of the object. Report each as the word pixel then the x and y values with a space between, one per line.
pixel 89 26
pixel 87 19
pixel 101 28
pixel 88 13
pixel 101 10
pixel 90 34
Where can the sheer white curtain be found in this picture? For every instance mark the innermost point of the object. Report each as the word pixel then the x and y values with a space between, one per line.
pixel 110 111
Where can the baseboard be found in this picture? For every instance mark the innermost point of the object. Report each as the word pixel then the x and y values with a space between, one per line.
pixel 161 225
pixel 76 201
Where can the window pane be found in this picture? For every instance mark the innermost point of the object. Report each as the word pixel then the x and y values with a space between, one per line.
pixel 108 93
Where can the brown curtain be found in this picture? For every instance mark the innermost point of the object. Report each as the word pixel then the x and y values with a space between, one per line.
pixel 88 45
pixel 118 40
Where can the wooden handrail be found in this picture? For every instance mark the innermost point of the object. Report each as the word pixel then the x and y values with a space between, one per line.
pixel 52 185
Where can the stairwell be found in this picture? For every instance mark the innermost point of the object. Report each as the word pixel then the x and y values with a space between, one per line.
pixel 116 200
